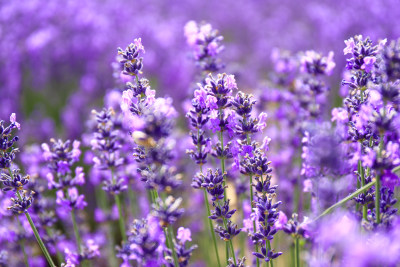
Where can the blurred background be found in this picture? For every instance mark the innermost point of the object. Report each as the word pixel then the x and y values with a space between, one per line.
pixel 56 56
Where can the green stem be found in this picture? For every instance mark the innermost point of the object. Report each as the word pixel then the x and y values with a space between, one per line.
pixel 227 252
pixel 77 235
pixel 378 199
pixel 76 231
pixel 232 251
pixel 166 238
pixel 171 238
pixel 121 218
pixel 38 239
pixel 221 139
pixel 59 256
pixel 297 252
pixel 22 244
pixel 211 226
pixel 120 212
pixel 362 177
pixel 252 204
pixel 378 187
pixel 268 244
pixel 358 187
pixel 344 200
pixel 230 244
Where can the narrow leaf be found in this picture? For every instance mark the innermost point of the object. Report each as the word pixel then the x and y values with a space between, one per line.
pixel 344 200
pixel 396 169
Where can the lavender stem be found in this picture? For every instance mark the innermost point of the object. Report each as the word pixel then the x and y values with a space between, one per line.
pixel 297 252
pixel 121 218
pixel 38 239
pixel 208 210
pixel 211 226
pixel 221 139
pixel 252 201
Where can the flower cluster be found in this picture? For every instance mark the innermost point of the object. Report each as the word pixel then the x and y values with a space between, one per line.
pixel 61 157
pixel 151 121
pixel 369 119
pixel 107 142
pixel 11 179
pixel 338 180
pixel 143 242
pixel 265 208
pixel 206 45
pixel 130 61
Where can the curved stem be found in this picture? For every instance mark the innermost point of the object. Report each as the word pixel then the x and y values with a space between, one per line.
pixel 344 200
pixel 37 236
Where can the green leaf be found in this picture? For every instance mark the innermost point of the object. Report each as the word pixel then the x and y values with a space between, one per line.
pixel 344 200
pixel 396 169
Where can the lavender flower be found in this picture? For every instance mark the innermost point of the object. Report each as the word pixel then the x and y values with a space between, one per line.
pixel 206 45
pixel 316 64
pixel 72 200
pixel 130 60
pixel 168 211
pixel 108 144
pixel 14 181
pixel 295 228
pixel 7 142
pixel 143 242
pixel 182 252
pixel 391 60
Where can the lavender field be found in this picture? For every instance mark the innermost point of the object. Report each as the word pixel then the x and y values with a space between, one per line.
pixel 199 133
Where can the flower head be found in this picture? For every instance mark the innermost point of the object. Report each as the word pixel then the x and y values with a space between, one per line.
pixel 184 235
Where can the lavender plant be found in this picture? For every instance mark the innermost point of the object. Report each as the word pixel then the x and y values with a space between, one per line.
pixel 12 180
pixel 122 193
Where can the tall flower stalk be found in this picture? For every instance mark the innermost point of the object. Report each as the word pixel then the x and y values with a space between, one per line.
pixel 61 156
pixel 151 121
pixel 198 118
pixel 205 43
pixel 12 180
pixel 107 144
